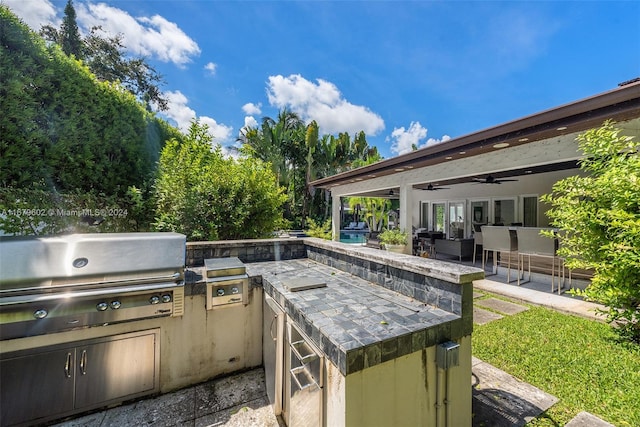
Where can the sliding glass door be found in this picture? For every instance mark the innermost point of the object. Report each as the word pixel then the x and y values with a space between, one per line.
pixel 438 216
pixel 504 211
pixel 456 220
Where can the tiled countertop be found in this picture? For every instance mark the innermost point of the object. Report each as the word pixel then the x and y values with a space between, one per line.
pixel 356 323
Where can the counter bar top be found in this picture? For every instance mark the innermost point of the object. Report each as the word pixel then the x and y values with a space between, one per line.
pixel 355 322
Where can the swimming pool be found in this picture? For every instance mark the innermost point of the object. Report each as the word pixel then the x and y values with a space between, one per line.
pixel 353 237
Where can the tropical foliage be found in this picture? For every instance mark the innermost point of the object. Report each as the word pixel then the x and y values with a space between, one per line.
pixel 599 215
pixel 298 155
pixel 394 236
pixel 77 136
pixel 319 229
pixel 207 196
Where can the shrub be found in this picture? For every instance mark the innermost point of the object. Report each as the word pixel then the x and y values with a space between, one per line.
pixel 599 215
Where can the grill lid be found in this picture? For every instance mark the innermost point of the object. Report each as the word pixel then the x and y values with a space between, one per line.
pixel 82 259
pixel 223 267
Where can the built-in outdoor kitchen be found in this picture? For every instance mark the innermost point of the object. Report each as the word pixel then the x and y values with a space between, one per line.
pixel 347 335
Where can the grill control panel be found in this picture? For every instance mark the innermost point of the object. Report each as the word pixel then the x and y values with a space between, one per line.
pixel 222 293
pixel 56 315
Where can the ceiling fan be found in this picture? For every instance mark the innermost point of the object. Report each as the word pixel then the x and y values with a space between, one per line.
pixel 431 187
pixel 491 180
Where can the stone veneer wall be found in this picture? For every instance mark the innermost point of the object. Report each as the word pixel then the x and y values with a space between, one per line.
pixel 254 250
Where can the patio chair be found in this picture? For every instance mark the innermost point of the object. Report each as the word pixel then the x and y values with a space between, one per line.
pixel 531 242
pixel 496 240
pixel 477 240
pixel 352 226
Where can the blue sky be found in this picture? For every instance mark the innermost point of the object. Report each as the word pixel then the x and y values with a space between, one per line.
pixel 414 72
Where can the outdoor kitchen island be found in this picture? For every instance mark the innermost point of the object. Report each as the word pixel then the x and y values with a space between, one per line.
pixel 394 332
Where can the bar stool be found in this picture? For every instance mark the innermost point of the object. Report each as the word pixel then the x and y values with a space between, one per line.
pixel 499 239
pixel 532 242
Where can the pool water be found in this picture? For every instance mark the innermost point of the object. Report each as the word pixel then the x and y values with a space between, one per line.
pixel 353 237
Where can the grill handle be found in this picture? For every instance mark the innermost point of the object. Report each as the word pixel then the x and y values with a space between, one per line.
pixel 67 366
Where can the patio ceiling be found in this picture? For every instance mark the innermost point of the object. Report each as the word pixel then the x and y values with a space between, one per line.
pixel 620 104
pixel 393 193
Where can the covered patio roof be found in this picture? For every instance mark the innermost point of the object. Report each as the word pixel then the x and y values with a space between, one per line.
pixel 621 104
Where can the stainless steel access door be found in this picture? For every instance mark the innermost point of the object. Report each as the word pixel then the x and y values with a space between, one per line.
pixel 303 384
pixel 273 350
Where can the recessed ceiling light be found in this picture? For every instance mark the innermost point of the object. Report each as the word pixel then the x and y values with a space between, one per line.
pixel 462 152
pixel 523 139
pixel 371 175
pixel 409 167
pixel 501 145
pixel 528 171
pixel 399 169
pixel 562 128
pixel 358 179
pixel 448 158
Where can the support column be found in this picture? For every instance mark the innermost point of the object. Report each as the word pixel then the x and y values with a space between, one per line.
pixel 406 214
pixel 336 204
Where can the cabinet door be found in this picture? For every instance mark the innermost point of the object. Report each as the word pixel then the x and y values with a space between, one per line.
pixel 115 369
pixel 36 386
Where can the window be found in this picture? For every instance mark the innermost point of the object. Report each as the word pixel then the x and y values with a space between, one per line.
pixel 504 211
pixel 530 211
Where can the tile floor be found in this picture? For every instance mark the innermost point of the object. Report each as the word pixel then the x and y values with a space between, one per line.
pixel 238 400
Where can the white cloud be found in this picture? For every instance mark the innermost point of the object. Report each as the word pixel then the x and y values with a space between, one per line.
pixel 323 103
pixel 153 36
pixel 182 114
pixel 250 122
pixel 34 13
pixel 149 37
pixel 211 68
pixel 251 108
pixel 403 140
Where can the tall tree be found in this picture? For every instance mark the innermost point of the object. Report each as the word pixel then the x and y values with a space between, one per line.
pixel 106 57
pixel 70 40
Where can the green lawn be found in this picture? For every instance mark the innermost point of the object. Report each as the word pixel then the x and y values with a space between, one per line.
pixel 575 359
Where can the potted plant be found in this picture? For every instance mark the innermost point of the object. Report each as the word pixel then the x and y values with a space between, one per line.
pixel 394 240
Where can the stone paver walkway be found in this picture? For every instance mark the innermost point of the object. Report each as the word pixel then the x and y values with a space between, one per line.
pixel 501 400
pixel 482 316
pixel 502 306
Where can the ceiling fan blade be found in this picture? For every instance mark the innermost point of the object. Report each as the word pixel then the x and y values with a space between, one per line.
pixel 432 187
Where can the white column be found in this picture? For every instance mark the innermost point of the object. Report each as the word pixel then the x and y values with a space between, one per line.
pixel 335 217
pixel 406 213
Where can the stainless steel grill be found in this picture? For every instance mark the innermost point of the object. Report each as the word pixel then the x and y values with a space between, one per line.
pixel 53 284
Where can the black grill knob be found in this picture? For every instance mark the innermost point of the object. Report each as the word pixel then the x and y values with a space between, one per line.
pixel 220 292
pixel 102 306
pixel 115 304
pixel 234 290
pixel 40 314
pixel 154 299
pixel 166 298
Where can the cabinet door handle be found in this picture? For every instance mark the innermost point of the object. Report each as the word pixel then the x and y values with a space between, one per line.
pixel 275 317
pixel 83 362
pixel 67 366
